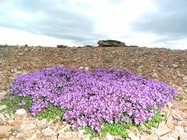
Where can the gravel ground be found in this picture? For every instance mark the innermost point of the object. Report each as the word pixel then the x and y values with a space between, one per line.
pixel 161 64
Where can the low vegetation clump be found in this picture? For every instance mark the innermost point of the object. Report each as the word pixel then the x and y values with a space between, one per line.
pixel 106 100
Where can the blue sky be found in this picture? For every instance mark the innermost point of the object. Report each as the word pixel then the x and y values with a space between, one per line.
pixel 150 23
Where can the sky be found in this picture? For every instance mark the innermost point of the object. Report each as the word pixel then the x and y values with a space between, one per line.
pixel 150 23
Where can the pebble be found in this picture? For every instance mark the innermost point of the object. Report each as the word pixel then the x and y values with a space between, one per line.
pixel 48 132
pixel 42 124
pixel 5 131
pixel 21 113
pixel 2 119
pixel 185 78
pixel 109 137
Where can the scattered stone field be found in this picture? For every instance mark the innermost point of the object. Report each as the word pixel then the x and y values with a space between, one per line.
pixel 169 66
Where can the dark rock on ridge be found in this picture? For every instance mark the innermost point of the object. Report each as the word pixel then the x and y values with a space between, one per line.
pixel 111 43
pixel 62 46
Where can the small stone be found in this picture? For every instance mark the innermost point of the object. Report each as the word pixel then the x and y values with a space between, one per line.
pixel 12 138
pixel 164 137
pixel 169 105
pixel 4 139
pixel 42 123
pixel 81 133
pixel 170 138
pixel 17 123
pixel 132 136
pixel 65 135
pixel 109 137
pixel 20 136
pixel 175 66
pixel 7 115
pixel 175 134
pixel 81 67
pixel 21 113
pixel 20 54
pixel 176 114
pixel 86 68
pixel 48 132
pixel 28 126
pixel 149 137
pixel 5 131
pixel 179 128
pixel 170 122
pixel 2 94
pixel 180 105
pixel 183 136
pixel 34 136
pixel 185 129
pixel 185 78
pixel 2 119
pixel 87 138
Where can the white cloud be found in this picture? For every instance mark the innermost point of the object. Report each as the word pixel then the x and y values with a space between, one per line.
pixel 18 37
pixel 81 22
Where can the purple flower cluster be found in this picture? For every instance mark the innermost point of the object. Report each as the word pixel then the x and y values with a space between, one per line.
pixel 91 98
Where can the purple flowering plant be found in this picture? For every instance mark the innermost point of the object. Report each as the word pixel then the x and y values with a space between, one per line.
pixel 94 99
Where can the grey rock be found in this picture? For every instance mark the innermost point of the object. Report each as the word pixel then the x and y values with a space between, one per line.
pixel 62 46
pixel 111 43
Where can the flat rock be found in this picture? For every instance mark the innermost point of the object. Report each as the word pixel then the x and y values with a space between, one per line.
pixel 162 129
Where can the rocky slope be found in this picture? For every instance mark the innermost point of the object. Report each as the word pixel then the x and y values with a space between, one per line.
pixel 165 65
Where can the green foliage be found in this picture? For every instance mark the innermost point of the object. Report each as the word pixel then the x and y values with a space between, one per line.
pixel 116 129
pixel 51 112
pixel 91 132
pixel 153 122
pixel 178 99
pixel 12 102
